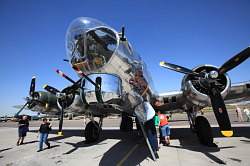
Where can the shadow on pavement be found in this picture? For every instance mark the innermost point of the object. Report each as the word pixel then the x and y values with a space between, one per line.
pixel 53 146
pixel 29 142
pixel 130 150
pixel 128 141
pixel 189 141
pixel 122 153
pixel 177 133
pixel 2 150
pixel 81 144
pixel 245 141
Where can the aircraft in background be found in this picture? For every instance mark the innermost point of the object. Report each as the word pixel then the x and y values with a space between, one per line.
pixel 114 81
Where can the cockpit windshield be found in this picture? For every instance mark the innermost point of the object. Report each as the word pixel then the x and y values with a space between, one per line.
pixel 90 47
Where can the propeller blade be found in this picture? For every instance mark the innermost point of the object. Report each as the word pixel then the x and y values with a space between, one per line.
pixel 85 76
pixel 16 115
pixel 75 85
pixel 32 86
pixel 61 122
pixel 235 61
pixel 220 111
pixel 51 89
pixel 177 68
pixel 65 76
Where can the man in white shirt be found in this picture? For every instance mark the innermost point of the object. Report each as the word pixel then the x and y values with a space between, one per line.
pixel 247 112
pixel 239 114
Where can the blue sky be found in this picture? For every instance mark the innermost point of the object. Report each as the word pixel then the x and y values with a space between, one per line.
pixel 184 32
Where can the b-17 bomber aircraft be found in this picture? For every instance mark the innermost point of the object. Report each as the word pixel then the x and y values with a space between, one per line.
pixel 114 81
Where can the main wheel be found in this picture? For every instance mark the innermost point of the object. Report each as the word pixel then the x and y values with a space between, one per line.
pixel 126 123
pixel 204 131
pixel 92 132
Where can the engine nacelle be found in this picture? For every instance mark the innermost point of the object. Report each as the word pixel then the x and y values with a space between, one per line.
pixel 196 93
pixel 49 103
pixel 44 102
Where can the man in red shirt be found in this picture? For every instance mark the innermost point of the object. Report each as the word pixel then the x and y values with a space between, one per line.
pixel 164 127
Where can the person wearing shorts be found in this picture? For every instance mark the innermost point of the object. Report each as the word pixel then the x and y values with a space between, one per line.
pixel 165 129
pixel 23 128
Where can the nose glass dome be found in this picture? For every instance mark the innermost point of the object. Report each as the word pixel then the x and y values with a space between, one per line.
pixel 90 44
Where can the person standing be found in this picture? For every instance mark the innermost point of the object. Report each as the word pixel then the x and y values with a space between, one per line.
pixel 149 126
pixel 156 120
pixel 165 129
pixel 152 134
pixel 157 123
pixel 23 128
pixel 247 112
pixel 44 130
pixel 239 114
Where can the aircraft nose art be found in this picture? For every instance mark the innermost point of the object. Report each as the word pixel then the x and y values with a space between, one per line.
pixel 90 44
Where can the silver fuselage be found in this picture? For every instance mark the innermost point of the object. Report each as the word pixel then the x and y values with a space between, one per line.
pixel 97 51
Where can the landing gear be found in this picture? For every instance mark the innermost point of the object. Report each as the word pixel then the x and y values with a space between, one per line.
pixel 191 118
pixel 92 131
pixel 204 131
pixel 138 127
pixel 126 123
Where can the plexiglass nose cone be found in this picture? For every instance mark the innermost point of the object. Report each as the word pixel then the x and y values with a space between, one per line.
pixel 90 44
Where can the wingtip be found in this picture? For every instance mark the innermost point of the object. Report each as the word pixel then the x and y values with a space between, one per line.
pixel 227 133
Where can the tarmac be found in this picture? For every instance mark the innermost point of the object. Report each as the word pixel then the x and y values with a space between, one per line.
pixel 124 148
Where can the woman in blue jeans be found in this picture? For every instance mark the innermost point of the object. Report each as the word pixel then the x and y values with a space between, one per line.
pixel 44 130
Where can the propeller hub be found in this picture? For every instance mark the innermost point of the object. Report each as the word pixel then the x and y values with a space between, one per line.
pixel 213 74
pixel 60 95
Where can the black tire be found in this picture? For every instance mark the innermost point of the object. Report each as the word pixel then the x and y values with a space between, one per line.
pixel 126 123
pixel 193 129
pixel 204 131
pixel 92 132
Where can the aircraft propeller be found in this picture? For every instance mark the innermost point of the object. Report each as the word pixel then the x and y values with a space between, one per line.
pixel 209 81
pixel 65 97
pixel 32 99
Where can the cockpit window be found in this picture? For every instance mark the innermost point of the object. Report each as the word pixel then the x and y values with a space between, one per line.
pixel 101 43
pixel 93 49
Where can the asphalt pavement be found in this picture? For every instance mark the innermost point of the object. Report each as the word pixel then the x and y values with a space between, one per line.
pixel 124 148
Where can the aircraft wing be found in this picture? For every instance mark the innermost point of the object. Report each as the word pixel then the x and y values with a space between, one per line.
pixel 175 101
pixel 239 92
pixel 172 101
pixel 19 106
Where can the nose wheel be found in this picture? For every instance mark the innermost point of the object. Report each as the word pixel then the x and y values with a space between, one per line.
pixel 92 131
